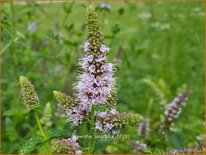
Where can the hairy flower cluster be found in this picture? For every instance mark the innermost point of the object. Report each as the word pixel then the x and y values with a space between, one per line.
pixel 112 121
pixel 139 146
pixel 66 146
pixel 173 111
pixel 29 95
pixel 96 84
pixel 143 130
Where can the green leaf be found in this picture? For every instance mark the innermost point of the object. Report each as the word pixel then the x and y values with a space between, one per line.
pixel 30 145
pixel 154 151
pixel 15 112
pixel 177 140
pixel 59 134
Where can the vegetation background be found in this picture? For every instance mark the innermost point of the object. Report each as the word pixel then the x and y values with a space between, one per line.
pixel 158 48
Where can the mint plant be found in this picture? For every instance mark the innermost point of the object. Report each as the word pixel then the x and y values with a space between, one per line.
pixel 93 102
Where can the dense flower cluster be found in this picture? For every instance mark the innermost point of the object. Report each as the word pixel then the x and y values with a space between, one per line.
pixel 143 130
pixel 173 110
pixel 112 121
pixel 66 146
pixel 29 95
pixel 139 146
pixel 96 84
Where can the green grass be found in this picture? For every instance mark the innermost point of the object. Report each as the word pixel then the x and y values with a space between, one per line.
pixel 172 58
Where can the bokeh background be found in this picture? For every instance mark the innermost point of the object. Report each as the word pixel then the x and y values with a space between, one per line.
pixel 158 48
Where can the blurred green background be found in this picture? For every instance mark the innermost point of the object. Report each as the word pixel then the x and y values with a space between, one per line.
pixel 159 42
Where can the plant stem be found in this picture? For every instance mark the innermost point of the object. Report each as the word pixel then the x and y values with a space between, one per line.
pixel 91 140
pixel 42 132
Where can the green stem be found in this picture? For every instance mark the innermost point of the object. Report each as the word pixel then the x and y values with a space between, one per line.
pixel 91 140
pixel 42 133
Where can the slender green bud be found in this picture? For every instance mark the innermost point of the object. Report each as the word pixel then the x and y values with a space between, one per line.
pixel 63 99
pixel 94 35
pixel 135 119
pixel 29 95
pixel 46 120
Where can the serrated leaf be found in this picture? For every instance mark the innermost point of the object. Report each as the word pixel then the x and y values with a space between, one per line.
pixel 59 134
pixel 177 140
pixel 30 145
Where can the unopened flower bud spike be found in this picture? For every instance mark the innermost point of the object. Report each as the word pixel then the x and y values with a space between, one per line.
pixel 30 97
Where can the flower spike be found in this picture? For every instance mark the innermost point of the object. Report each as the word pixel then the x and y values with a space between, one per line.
pixel 29 95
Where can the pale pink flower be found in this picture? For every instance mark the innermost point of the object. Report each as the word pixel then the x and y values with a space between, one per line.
pixel 86 46
pixel 90 58
pixel 108 127
pixel 98 126
pixel 104 48
pixel 92 68
pixel 101 58
pixel 102 114
pixel 107 67
pixel 113 111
